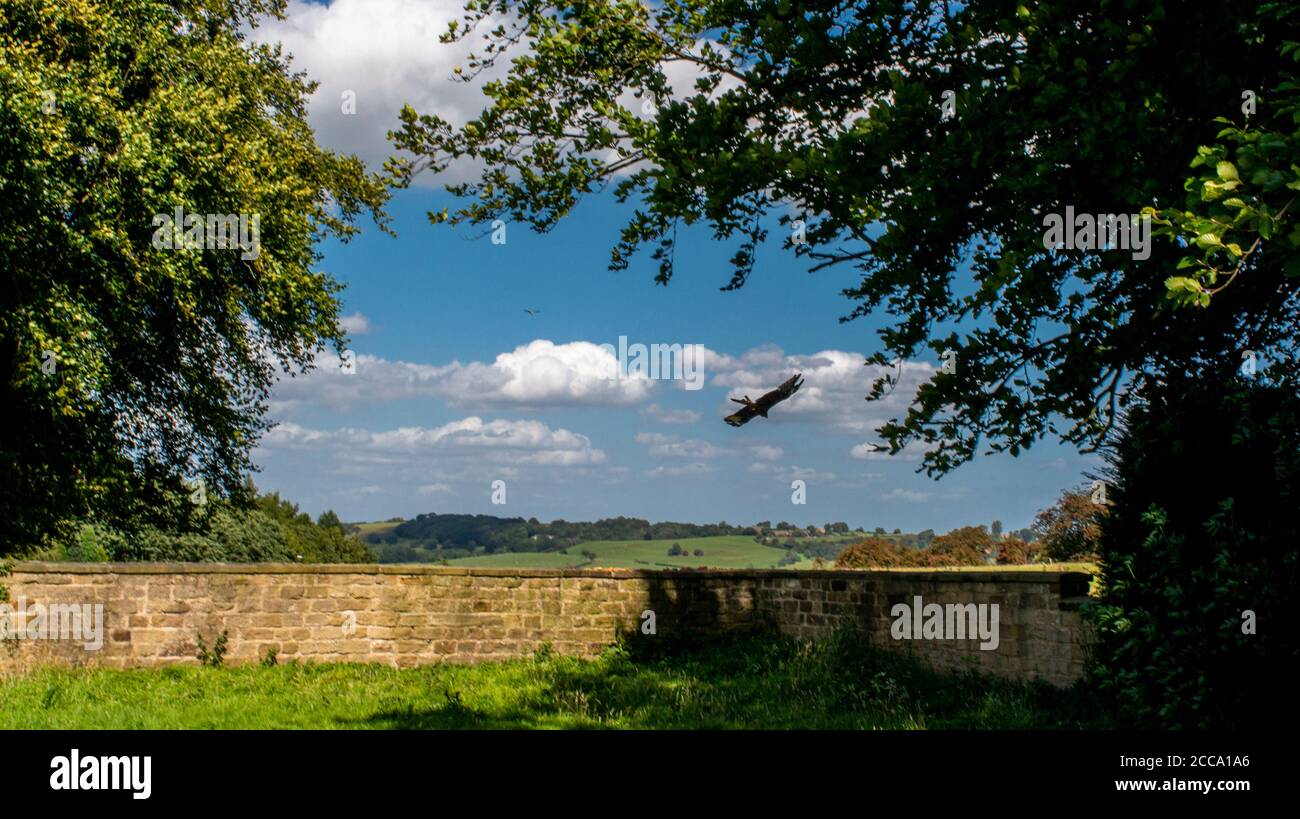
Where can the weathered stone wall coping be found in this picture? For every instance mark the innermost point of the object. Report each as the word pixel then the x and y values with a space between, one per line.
pixel 1069 578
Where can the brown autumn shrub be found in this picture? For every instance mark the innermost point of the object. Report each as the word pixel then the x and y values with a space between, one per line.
pixel 966 546
pixel 872 553
pixel 1013 551
pixel 1070 529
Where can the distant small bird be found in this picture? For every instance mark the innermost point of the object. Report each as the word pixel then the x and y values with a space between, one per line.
pixel 531 312
pixel 750 410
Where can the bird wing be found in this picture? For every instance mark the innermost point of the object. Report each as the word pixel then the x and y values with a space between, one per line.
pixel 741 416
pixel 776 396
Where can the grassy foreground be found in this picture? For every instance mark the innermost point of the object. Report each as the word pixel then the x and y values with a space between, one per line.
pixel 756 681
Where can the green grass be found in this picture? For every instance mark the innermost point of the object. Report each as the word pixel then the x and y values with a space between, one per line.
pixel 523 560
pixel 755 681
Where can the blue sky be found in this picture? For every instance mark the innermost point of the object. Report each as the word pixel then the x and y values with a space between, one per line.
pixel 455 386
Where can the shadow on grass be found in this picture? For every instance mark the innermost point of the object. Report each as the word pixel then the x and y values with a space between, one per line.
pixel 750 680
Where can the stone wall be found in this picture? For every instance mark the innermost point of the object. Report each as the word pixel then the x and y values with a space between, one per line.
pixel 409 615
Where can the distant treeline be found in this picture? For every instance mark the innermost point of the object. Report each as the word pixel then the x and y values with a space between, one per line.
pixel 492 534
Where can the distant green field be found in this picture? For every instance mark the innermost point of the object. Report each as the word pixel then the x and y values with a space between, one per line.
pixel 382 527
pixel 723 552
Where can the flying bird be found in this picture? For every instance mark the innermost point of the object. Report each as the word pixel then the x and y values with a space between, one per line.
pixel 750 410
pixel 531 312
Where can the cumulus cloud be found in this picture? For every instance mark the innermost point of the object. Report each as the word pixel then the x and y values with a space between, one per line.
pixel 499 441
pixel 538 374
pixel 835 384
pixel 869 450
pixel 905 495
pixel 543 373
pixel 386 53
pixel 671 446
pixel 355 324
pixel 680 471
pixel 766 453
pixel 791 473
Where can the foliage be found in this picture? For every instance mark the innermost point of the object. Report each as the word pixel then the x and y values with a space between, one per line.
pixel 126 368
pixel 1243 195
pixel 1070 529
pixel 322 541
pixel 966 546
pixel 267 528
pixel 1013 551
pixel 1202 530
pixel 832 116
pixel 213 657
pixel 871 553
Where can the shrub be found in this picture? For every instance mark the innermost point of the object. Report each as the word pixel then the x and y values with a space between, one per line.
pixel 1202 528
pixel 1013 551
pixel 967 546
pixel 871 553
pixel 1071 528
pixel 214 657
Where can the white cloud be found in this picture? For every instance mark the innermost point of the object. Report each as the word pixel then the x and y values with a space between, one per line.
pixel 543 373
pixel 791 473
pixel 835 385
pixel 387 53
pixel 670 416
pixel 499 441
pixel 355 324
pixel 679 471
pixel 433 488
pixel 766 453
pixel 538 374
pixel 869 450
pixel 673 447
pixel 905 495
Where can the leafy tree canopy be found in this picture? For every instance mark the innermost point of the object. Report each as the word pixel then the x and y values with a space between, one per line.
pixel 925 144
pixel 126 366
